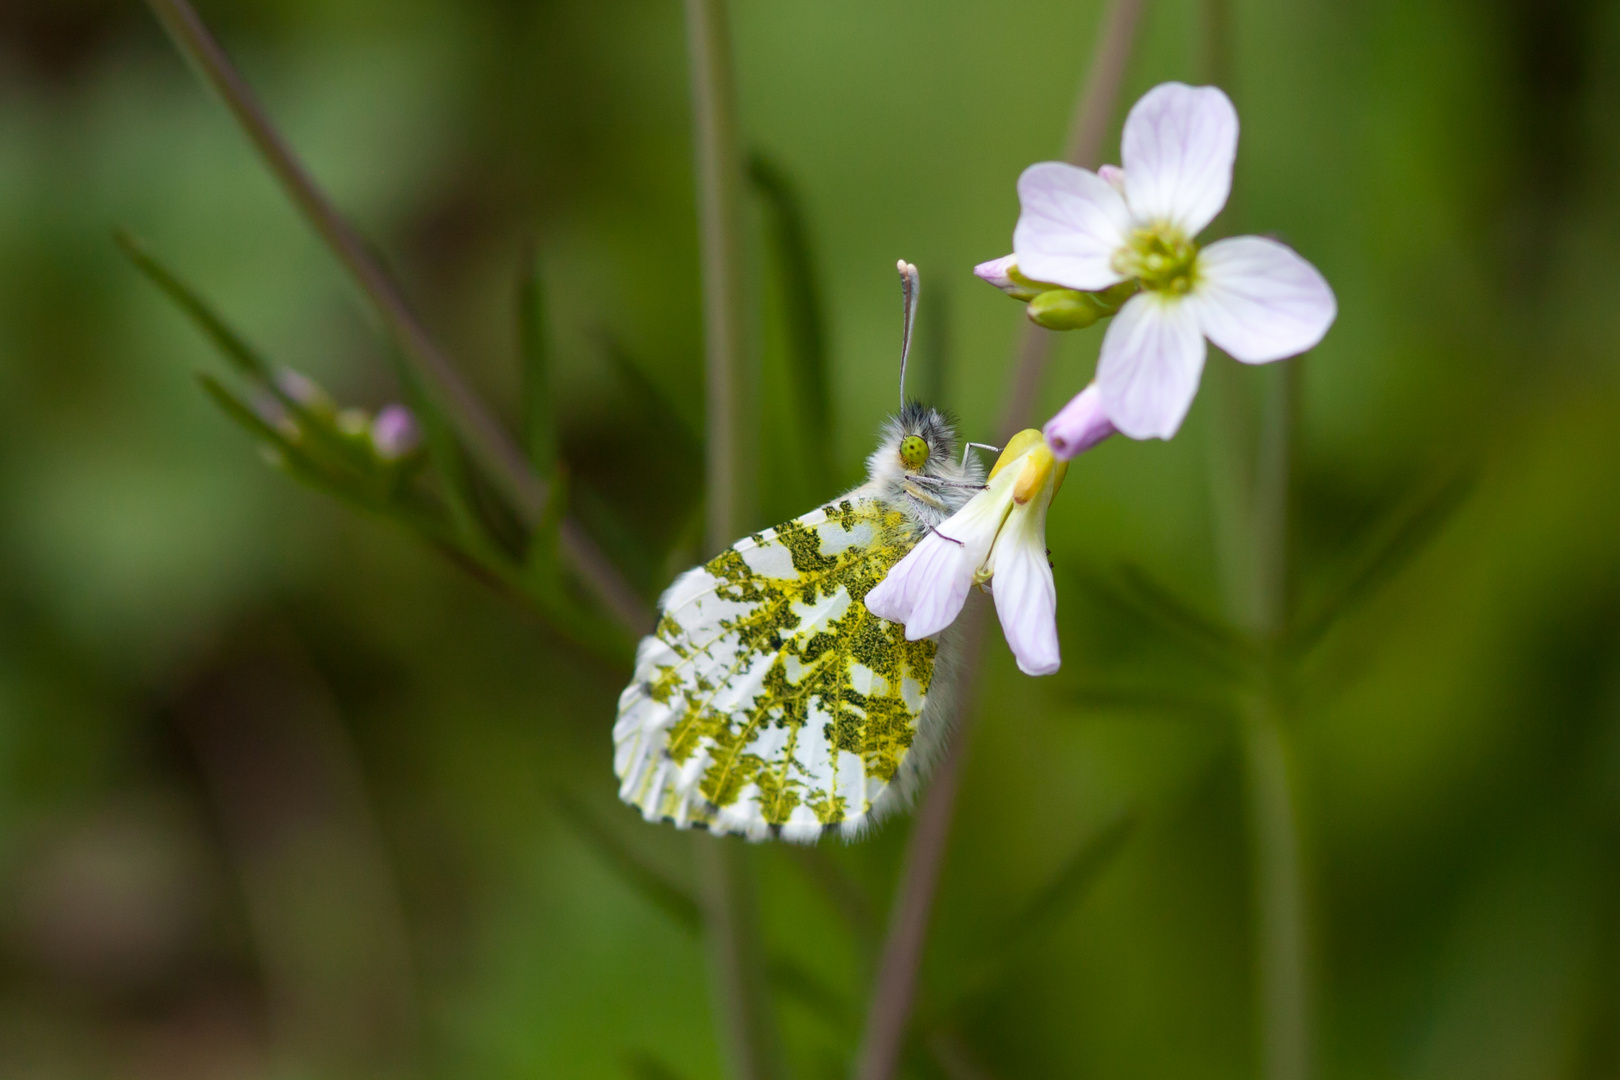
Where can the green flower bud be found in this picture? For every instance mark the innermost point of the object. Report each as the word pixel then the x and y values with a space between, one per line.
pixel 1066 309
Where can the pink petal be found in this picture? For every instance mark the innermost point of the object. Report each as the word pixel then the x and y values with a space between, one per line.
pixel 1025 595
pixel 1259 300
pixel 1079 425
pixel 925 590
pixel 1070 226
pixel 1151 359
pixel 995 272
pixel 1178 147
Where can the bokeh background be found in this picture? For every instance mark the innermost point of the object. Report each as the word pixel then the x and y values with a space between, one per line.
pixel 282 794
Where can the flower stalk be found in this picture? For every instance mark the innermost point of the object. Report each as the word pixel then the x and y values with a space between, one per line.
pixel 474 424
pixel 894 988
pixel 1260 592
pixel 742 1001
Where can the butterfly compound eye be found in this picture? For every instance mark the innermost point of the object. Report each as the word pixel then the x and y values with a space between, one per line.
pixel 914 451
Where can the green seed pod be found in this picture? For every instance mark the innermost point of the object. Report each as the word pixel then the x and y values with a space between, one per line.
pixel 1065 309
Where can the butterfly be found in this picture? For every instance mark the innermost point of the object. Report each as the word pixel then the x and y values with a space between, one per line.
pixel 769 701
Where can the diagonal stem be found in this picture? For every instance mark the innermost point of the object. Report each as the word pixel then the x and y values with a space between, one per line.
pixel 743 1008
pixel 895 987
pixel 486 440
pixel 1093 111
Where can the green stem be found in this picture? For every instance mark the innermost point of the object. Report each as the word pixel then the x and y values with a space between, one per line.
pixel 1257 573
pixel 483 435
pixel 719 187
pixel 743 1006
pixel 894 987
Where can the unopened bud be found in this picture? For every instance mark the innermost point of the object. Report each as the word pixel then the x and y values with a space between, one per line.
pixel 353 422
pixel 395 434
pixel 269 408
pixel 305 391
pixel 1079 425
pixel 1003 274
pixel 1065 309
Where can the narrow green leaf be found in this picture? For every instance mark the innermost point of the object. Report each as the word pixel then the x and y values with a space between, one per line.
pixel 792 979
pixel 1073 881
pixel 671 425
pixel 803 307
pixel 324 441
pixel 534 346
pixel 1408 531
pixel 245 415
pixel 1133 588
pixel 843 893
pixel 241 355
pixel 1038 918
pixel 648 881
pixel 618 541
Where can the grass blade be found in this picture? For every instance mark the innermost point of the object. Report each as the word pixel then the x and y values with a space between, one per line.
pixel 803 307
pixel 230 344
pixel 1401 540
pixel 652 884
pixel 482 432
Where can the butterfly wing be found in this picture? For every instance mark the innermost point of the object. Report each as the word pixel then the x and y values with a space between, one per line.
pixel 769 701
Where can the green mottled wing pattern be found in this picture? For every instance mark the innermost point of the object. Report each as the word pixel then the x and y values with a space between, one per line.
pixel 769 701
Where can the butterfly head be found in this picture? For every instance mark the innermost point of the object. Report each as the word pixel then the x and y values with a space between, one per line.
pixel 917 468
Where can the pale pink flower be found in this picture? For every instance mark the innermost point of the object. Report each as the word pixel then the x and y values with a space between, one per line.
pixel 997 540
pixel 1254 297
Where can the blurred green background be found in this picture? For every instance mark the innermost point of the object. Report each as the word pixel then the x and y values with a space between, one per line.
pixel 282 794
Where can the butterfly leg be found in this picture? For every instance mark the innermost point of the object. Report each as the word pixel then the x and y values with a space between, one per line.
pixel 979 446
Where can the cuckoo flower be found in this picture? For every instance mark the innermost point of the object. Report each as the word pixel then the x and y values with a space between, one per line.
pixel 998 539
pixel 1086 231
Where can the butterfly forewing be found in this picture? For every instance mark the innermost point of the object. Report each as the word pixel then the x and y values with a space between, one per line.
pixel 769 699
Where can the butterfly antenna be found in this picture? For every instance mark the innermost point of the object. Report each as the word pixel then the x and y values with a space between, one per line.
pixel 910 285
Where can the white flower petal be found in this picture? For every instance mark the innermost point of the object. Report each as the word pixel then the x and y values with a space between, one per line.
pixel 925 590
pixel 1151 358
pixel 1070 225
pixel 1259 300
pixel 1025 595
pixel 1178 146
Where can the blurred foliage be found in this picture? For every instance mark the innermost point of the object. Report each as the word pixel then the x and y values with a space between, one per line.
pixel 284 794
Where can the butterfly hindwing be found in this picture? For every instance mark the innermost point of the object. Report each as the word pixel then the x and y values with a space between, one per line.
pixel 769 699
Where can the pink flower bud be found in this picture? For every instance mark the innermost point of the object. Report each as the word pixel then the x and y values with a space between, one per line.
pixel 395 434
pixel 1079 425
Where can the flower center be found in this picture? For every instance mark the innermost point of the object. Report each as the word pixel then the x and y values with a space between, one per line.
pixel 1160 255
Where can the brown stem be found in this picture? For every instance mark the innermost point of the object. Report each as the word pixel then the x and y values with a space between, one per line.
pixel 737 972
pixel 1093 110
pixel 486 440
pixel 719 186
pixel 894 989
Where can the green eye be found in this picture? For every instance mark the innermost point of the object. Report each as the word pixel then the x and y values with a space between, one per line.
pixel 914 451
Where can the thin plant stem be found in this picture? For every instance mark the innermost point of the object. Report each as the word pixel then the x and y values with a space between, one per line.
pixel 1093 111
pixel 485 439
pixel 1250 480
pixel 743 1008
pixel 895 985
pixel 1281 928
pixel 894 988
pixel 719 187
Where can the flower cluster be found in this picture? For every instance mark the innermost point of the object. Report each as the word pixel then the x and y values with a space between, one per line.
pixel 1118 243
pixel 1001 535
